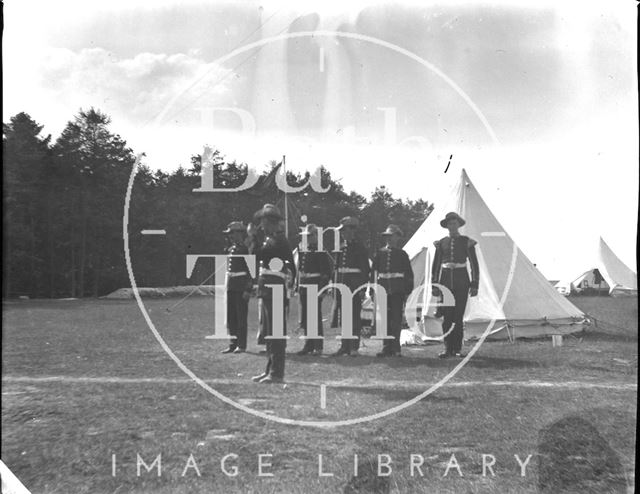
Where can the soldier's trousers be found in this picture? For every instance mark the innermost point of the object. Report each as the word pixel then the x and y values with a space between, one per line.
pixel 352 345
pixel 395 304
pixel 457 281
pixel 237 311
pixel 315 343
pixel 261 328
pixel 260 338
pixel 275 347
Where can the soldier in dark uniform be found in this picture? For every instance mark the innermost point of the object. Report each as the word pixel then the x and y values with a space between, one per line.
pixel 255 238
pixel 290 280
pixel 274 260
pixel 352 270
pixel 314 268
pixel 238 286
pixel 450 270
pixel 393 272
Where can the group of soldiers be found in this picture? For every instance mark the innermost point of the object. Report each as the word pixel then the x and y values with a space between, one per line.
pixel 278 275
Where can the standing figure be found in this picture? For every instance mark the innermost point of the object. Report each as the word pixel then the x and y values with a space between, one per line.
pixel 393 272
pixel 275 262
pixel 314 268
pixel 352 270
pixel 450 270
pixel 290 280
pixel 255 238
pixel 238 287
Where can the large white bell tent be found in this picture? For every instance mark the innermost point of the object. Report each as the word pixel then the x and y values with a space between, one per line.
pixel 620 278
pixel 514 299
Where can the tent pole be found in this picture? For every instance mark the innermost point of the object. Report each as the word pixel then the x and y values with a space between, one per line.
pixel 427 289
pixel 286 209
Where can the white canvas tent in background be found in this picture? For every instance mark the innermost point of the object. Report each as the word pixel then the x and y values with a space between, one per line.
pixel 620 278
pixel 563 287
pixel 591 280
pixel 617 278
pixel 522 303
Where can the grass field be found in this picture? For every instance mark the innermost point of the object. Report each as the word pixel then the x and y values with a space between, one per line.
pixel 86 380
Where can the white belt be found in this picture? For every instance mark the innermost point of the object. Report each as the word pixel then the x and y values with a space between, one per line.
pixel 385 276
pixel 233 274
pixel 349 270
pixel 268 272
pixel 453 265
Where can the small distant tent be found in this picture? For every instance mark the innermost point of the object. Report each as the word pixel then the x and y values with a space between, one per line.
pixel 621 279
pixel 562 287
pixel 513 295
pixel 590 282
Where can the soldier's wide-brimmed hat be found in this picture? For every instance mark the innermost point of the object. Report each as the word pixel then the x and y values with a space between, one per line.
pixel 269 211
pixel 393 230
pixel 452 216
pixel 235 226
pixel 349 221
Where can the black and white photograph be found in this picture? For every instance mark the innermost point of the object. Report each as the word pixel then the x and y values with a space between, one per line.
pixel 363 247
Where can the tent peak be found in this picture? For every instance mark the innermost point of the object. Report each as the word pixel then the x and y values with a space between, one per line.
pixel 464 178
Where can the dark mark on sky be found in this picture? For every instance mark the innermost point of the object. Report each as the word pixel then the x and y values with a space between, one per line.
pixel 445 170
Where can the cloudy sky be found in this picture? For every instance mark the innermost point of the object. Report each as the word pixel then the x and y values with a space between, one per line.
pixel 538 102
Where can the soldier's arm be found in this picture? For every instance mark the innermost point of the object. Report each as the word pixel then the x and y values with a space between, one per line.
pixel 366 268
pixel 336 266
pixel 245 251
pixel 435 267
pixel 296 279
pixel 252 241
pixel 374 268
pixel 325 265
pixel 473 261
pixel 333 263
pixel 288 258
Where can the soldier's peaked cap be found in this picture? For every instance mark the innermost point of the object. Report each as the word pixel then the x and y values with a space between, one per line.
pixel 269 210
pixel 349 221
pixel 235 226
pixel 393 230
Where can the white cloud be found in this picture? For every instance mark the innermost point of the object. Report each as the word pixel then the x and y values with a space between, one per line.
pixel 135 88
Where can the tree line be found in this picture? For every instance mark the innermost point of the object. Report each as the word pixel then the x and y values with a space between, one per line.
pixel 63 204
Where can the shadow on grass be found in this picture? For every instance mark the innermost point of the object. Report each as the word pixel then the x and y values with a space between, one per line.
pixel 367 481
pixel 574 457
pixel 398 394
pixel 612 336
pixel 479 362
pixel 607 369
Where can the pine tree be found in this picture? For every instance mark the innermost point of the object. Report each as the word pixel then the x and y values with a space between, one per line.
pixel 25 159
